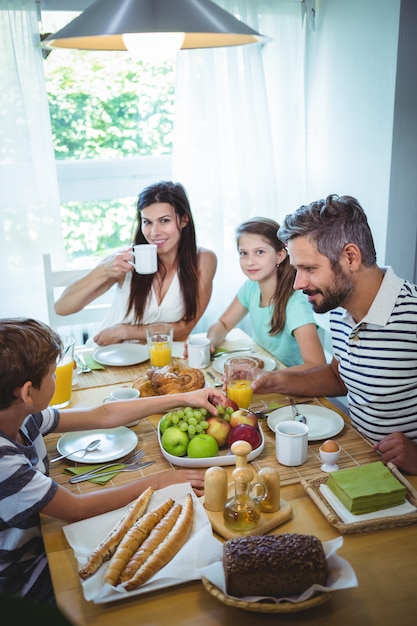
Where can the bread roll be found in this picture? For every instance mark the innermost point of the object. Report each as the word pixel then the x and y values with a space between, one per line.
pixel 135 536
pixel 157 536
pixel 167 549
pixel 105 550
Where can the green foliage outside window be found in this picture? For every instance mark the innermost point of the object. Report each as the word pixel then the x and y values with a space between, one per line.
pixel 106 105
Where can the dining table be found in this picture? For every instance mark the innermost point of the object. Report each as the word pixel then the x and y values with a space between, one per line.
pixel 384 559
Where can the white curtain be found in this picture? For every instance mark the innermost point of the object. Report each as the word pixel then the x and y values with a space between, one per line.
pixel 29 212
pixel 237 125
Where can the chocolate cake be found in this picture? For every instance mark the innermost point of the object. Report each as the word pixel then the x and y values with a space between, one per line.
pixel 273 565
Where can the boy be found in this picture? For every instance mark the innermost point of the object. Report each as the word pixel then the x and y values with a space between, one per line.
pixel 28 356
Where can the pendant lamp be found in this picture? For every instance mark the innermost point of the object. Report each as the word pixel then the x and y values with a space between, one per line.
pixel 114 24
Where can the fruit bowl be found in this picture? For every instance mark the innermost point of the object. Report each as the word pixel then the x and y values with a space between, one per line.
pixel 225 457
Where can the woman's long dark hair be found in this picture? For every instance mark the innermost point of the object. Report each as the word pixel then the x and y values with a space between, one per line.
pixel 267 229
pixel 175 195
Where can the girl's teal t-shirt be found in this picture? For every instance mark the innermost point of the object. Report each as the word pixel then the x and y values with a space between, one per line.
pixel 283 346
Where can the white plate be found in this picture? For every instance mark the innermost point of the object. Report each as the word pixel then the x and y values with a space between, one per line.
pixel 225 457
pixel 122 354
pixel 322 422
pixel 269 363
pixel 115 443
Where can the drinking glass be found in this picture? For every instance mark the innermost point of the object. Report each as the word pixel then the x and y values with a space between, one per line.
pixel 63 375
pixel 239 372
pixel 159 339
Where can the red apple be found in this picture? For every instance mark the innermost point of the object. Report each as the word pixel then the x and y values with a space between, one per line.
pixel 232 404
pixel 219 429
pixel 245 432
pixel 242 416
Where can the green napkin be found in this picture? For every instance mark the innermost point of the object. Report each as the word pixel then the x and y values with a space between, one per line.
pixel 75 471
pixel 92 364
pixel 367 488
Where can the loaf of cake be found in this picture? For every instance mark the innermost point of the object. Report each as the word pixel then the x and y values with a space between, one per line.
pixel 273 565
pixel 366 488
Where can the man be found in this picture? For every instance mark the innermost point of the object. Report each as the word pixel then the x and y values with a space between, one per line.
pixel 374 333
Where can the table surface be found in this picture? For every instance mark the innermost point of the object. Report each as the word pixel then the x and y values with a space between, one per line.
pixel 384 560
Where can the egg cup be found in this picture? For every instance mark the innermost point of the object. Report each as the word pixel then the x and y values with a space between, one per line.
pixel 329 460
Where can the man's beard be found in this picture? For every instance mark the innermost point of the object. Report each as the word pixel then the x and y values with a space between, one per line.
pixel 334 296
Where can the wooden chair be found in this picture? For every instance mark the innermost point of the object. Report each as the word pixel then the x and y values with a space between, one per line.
pixel 83 323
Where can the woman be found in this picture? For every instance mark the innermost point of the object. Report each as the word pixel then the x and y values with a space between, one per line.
pixel 282 319
pixel 178 293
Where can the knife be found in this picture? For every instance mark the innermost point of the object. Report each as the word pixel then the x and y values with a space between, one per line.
pixel 88 476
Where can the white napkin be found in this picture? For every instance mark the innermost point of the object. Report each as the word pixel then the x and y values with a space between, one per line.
pixel 199 550
pixel 341 575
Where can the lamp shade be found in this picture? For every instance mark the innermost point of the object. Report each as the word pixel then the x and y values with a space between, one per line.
pixel 201 24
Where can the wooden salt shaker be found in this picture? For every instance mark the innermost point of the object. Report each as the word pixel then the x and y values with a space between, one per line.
pixel 270 479
pixel 215 488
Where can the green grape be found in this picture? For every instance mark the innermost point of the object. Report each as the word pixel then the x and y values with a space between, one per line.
pixel 180 413
pixel 192 420
pixel 182 425
pixel 229 410
pixel 191 429
pixel 203 412
pixel 220 409
pixel 188 409
pixel 198 428
pixel 226 417
pixel 175 418
pixel 204 424
pixel 197 415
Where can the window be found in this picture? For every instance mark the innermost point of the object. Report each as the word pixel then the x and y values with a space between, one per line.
pixel 112 126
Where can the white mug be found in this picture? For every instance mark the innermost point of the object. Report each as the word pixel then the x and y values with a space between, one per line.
pixel 145 259
pixel 198 349
pixel 123 393
pixel 291 440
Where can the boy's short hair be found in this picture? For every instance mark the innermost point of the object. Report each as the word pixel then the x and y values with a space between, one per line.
pixel 27 350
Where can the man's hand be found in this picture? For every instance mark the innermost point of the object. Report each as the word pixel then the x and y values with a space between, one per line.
pixel 400 450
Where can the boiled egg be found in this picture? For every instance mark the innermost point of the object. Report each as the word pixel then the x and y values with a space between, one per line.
pixel 329 446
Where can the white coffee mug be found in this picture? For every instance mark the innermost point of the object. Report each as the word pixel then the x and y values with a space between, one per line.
pixel 198 349
pixel 123 393
pixel 145 259
pixel 291 440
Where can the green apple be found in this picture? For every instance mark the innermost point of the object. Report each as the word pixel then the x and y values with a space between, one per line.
pixel 165 422
pixel 202 446
pixel 175 441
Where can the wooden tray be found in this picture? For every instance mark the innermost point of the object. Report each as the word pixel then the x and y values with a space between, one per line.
pixel 312 488
pixel 267 522
pixel 265 606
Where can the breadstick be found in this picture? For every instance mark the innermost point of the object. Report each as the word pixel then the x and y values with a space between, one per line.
pixel 133 539
pixel 106 548
pixel 157 536
pixel 167 549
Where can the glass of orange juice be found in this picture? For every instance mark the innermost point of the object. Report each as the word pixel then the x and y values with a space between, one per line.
pixel 239 372
pixel 63 375
pixel 159 339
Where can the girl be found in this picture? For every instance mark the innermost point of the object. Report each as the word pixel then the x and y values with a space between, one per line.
pixel 282 319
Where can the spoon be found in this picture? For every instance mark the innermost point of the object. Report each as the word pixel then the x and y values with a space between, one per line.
pixel 93 445
pixel 297 414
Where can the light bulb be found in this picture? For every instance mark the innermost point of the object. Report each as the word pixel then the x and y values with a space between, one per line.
pixel 153 47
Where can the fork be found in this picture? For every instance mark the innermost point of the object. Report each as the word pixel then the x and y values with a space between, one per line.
pixel 130 467
pixel 132 459
pixel 84 367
